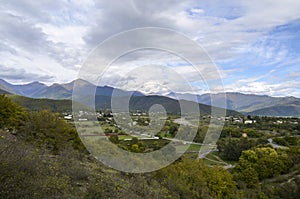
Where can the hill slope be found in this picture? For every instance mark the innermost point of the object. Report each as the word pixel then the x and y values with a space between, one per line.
pixel 25 89
pixel 42 104
pixel 142 103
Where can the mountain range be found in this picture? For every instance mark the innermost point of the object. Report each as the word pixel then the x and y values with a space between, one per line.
pixel 248 104
pixel 60 91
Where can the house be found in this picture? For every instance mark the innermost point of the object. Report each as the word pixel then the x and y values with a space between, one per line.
pixel 249 121
pixel 68 117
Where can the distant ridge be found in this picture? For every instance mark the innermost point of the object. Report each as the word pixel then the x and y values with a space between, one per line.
pixel 286 110
pixel 62 91
pixel 249 104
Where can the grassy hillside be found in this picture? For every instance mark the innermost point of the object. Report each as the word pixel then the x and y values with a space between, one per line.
pixel 42 104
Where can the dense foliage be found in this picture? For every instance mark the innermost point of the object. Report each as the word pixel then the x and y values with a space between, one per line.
pixel 11 114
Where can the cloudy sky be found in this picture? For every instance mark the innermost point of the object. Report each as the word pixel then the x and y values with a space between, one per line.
pixel 255 44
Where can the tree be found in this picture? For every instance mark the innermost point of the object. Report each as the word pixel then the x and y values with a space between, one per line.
pixel 245 171
pixel 201 132
pixel 173 129
pixel 292 140
pixel 231 149
pixel 294 154
pixel 114 139
pixel 252 133
pixel 135 148
pixel 11 114
pixel 271 163
pixel 134 140
pixel 280 141
pixel 107 131
pixel 260 163
pixel 230 132
pixel 220 182
pixel 193 179
pixel 246 176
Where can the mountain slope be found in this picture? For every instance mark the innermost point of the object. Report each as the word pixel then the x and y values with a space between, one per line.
pixel 65 91
pixel 3 87
pixel 141 103
pixel 2 91
pixel 24 89
pixel 287 109
pixel 43 104
pixel 249 103
pixel 55 91
pixel 284 111
pixel 144 103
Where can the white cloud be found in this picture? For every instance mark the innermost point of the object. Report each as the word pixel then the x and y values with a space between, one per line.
pixel 197 11
pixel 51 38
pixel 72 35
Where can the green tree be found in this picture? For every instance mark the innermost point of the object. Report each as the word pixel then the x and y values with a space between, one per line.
pixel 292 140
pixel 135 148
pixel 270 162
pixel 220 182
pixel 231 149
pixel 193 179
pixel 134 140
pixel 114 139
pixel 260 163
pixel 107 131
pixel 173 129
pixel 230 132
pixel 252 133
pixel 201 132
pixel 11 114
pixel 245 172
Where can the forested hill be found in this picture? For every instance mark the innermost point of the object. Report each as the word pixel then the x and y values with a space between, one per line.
pixel 142 103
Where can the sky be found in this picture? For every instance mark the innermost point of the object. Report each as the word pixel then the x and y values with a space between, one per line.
pixel 255 44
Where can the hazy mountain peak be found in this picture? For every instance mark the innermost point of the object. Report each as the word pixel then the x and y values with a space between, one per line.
pixel 79 82
pixel 35 83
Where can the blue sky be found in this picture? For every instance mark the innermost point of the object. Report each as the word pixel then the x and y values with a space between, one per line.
pixel 256 44
pixel 271 60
